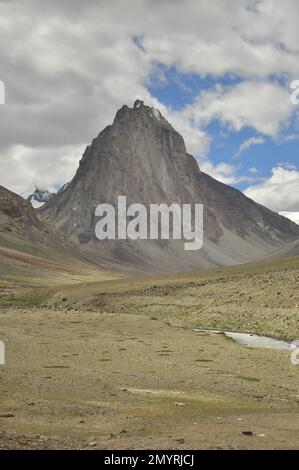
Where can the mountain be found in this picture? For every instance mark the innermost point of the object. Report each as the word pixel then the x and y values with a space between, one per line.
pixel 17 217
pixel 22 229
pixel 35 253
pixel 142 157
pixel 291 249
pixel 39 198
pixel 294 216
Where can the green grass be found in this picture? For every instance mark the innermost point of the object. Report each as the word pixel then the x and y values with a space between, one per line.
pixel 259 297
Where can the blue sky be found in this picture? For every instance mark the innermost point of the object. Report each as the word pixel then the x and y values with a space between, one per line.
pixel 177 90
pixel 222 80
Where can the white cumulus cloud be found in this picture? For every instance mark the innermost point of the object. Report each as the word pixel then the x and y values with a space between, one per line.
pixel 279 192
pixel 68 66
pixel 263 106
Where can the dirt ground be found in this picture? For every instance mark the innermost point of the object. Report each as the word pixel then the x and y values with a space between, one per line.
pixel 78 379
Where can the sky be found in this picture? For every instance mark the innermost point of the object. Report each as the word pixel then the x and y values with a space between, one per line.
pixel 220 71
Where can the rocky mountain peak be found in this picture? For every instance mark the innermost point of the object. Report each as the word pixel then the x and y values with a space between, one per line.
pixel 138 104
pixel 142 114
pixel 141 156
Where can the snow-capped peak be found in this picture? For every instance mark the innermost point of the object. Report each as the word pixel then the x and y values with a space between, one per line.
pixel 40 197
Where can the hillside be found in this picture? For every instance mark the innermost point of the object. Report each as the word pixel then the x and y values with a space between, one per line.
pixel 142 157
pixel 32 249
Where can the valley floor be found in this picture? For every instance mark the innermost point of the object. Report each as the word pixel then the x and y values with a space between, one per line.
pixel 116 365
pixel 125 381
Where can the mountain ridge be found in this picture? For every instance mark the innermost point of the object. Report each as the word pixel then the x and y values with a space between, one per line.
pixel 23 230
pixel 144 158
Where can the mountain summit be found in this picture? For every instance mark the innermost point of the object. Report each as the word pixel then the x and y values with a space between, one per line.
pixel 39 197
pixel 141 156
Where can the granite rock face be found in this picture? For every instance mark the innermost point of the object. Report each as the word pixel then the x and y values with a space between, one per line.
pixel 141 156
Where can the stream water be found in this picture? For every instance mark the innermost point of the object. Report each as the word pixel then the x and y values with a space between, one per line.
pixel 250 340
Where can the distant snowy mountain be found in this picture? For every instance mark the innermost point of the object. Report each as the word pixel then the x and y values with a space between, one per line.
pixel 39 198
pixel 294 216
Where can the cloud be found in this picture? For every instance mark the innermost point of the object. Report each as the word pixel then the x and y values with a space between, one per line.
pixel 279 192
pixel 293 216
pixel 263 106
pixel 288 138
pixel 224 37
pixel 224 172
pixel 197 140
pixel 23 168
pixel 69 65
pixel 249 143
